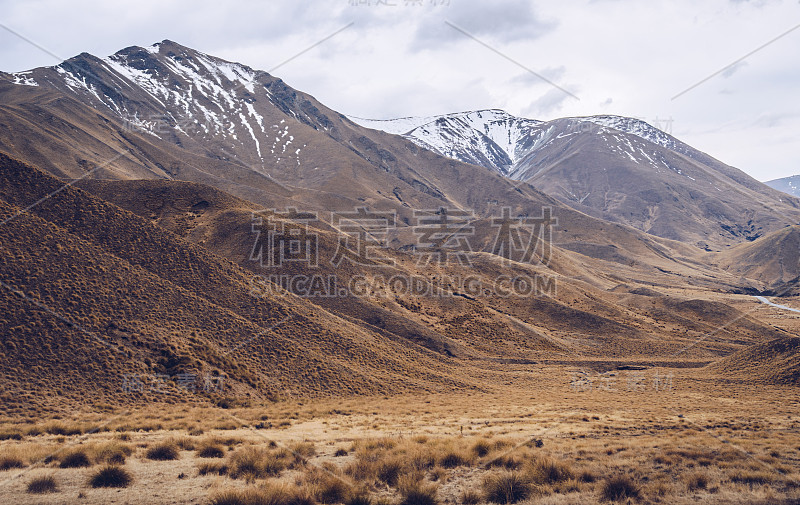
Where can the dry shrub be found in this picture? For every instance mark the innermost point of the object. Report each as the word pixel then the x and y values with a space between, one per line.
pixel 330 489
pixel 255 463
pixel 112 453
pixel 268 494
pixel 417 493
pixel 619 488
pixel 42 485
pixel 587 476
pixel 184 443
pixel 481 448
pixel 210 451
pixel 379 443
pixel 506 487
pixel 76 458
pixel 362 469
pixel 453 459
pixel 59 428
pixel 215 468
pixel 752 477
pixel 358 498
pixel 439 475
pixel 389 471
pixel 547 471
pixel 9 462
pixel 697 481
pixel 304 450
pixel 421 459
pixel 165 451
pixel 508 461
pixel 111 476
pixel 470 497
pixel 659 489
pixel 14 435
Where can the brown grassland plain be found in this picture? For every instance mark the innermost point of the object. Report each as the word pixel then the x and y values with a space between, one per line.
pixel 651 436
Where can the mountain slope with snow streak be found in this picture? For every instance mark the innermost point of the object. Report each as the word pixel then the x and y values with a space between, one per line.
pixel 618 168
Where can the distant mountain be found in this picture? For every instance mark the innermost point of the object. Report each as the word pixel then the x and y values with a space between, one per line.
pixel 189 145
pixel 170 111
pixel 789 185
pixel 490 138
pixel 621 169
pixel 494 138
pixel 772 260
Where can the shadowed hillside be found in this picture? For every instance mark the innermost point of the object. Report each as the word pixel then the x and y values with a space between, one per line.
pixel 92 294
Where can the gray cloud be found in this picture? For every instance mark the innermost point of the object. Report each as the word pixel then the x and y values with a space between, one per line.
pixel 554 74
pixel 733 69
pixel 546 105
pixel 500 21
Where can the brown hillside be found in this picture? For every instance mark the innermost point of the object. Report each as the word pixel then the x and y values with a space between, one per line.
pixel 771 262
pixel 584 317
pixel 91 288
pixel 773 362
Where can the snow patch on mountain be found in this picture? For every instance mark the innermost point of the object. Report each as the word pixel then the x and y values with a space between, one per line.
pixel 495 139
pixel 789 185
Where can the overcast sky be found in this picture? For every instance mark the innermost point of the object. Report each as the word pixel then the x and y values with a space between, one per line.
pixel 396 58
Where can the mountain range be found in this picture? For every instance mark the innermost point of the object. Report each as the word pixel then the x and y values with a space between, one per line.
pixel 142 181
pixel 789 185
pixel 620 169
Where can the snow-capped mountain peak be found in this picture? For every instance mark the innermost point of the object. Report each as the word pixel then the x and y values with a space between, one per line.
pixel 496 139
pixel 179 94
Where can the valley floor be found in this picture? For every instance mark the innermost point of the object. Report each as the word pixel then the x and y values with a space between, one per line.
pixel 550 434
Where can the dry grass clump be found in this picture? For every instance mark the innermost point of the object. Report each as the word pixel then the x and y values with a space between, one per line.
pixel 508 461
pixel 184 443
pixel 696 481
pixel 752 477
pixel 112 453
pixel 358 498
pixel 415 491
pixel 303 449
pixel 111 476
pixel 210 450
pixel 389 471
pixel 481 447
pixel 12 435
pixel 620 488
pixel 386 460
pixel 77 458
pixel 42 485
pixel 470 497
pixel 215 468
pixel 327 487
pixel 506 487
pixel 62 428
pixel 525 473
pixel 455 458
pixel 9 462
pixel 257 463
pixel 267 494
pixel 165 451
pixel 547 471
